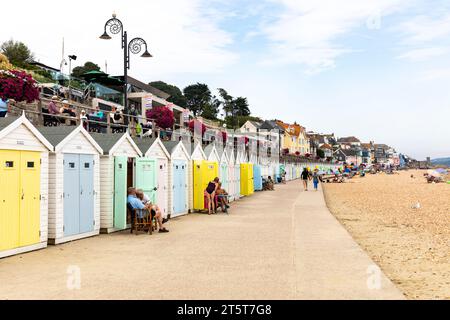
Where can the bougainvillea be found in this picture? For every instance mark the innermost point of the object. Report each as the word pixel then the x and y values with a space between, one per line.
pixel 224 136
pixel 163 116
pixel 195 124
pixel 297 153
pixel 18 85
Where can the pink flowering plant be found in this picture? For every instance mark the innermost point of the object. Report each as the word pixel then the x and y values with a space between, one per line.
pixel 18 85
pixel 163 116
pixel 195 125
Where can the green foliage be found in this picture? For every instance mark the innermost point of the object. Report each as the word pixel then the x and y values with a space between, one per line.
pixel 176 96
pixel 198 98
pixel 77 72
pixel 321 153
pixel 211 109
pixel 241 107
pixel 238 121
pixel 17 53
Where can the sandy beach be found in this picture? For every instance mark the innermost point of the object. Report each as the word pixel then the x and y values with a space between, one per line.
pixel 410 245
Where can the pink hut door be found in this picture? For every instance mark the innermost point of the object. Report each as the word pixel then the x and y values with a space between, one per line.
pixel 162 192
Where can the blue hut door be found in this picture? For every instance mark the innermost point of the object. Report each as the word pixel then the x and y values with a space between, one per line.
pixel 71 194
pixel 179 186
pixel 86 193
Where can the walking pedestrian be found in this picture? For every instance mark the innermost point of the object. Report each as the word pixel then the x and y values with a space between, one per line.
pixel 305 177
pixel 316 179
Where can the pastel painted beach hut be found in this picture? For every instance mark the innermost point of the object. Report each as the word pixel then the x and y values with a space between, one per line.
pixel 247 176
pixel 116 175
pixel 203 172
pixel 211 153
pixel 196 152
pixel 257 178
pixel 234 176
pixel 74 180
pixel 178 178
pixel 156 167
pixel 23 187
pixel 225 169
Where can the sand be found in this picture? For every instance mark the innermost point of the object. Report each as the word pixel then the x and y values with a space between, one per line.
pixel 412 246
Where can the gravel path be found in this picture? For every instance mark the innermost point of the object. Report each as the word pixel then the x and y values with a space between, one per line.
pixel 410 245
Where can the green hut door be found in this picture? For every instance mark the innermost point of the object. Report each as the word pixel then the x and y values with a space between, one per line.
pixel 146 177
pixel 120 192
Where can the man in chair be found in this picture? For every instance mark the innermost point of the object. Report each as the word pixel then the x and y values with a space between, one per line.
pixel 136 203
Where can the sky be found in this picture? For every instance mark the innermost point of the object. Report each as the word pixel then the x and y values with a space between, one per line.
pixel 375 69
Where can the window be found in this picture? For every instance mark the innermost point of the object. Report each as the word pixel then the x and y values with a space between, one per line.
pixel 9 164
pixel 87 165
pixel 120 166
pixel 72 165
pixel 30 164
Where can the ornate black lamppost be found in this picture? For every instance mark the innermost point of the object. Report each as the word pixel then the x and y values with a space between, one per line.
pixel 115 26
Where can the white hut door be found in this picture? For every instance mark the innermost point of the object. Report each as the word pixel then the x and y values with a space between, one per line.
pixel 162 192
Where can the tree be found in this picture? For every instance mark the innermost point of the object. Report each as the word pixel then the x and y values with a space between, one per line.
pixel 321 153
pixel 241 107
pixel 198 98
pixel 176 96
pixel 211 109
pixel 17 53
pixel 77 72
pixel 227 102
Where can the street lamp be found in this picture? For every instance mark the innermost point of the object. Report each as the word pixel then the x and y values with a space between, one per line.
pixel 135 46
pixel 74 58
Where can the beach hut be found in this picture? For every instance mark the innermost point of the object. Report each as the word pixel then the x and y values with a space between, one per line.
pixel 237 165
pixel 276 172
pixel 155 182
pixel 211 153
pixel 23 187
pixel 234 177
pixel 247 176
pixel 196 151
pixel 178 178
pixel 74 180
pixel 203 171
pixel 257 178
pixel 116 175
pixel 224 172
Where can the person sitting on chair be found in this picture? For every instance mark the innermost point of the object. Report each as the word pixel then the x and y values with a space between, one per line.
pixel 270 184
pixel 153 208
pixel 136 203
pixel 222 196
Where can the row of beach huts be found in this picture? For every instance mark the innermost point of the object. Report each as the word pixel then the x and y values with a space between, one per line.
pixel 60 184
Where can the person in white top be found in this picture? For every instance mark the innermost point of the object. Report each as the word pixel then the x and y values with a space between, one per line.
pixel 146 201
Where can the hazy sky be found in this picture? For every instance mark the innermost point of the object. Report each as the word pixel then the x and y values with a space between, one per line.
pixel 377 69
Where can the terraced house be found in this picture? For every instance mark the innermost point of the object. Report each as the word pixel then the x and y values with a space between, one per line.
pixel 295 139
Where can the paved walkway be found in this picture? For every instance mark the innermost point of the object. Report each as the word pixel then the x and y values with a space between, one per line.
pixel 274 245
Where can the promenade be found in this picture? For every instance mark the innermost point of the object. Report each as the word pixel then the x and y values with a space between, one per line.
pixel 274 245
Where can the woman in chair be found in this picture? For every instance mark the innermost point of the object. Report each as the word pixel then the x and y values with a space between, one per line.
pixel 211 194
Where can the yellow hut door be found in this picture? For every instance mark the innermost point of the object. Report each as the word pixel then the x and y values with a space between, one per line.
pixel 9 199
pixel 30 170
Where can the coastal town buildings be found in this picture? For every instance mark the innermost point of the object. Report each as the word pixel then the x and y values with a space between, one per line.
pixel 250 127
